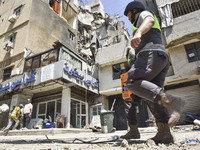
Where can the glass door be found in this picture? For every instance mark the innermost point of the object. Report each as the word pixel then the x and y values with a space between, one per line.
pixel 49 110
pixel 78 114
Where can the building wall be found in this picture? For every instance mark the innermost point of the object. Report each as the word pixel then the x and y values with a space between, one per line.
pixel 34 34
pixel 180 63
pixel 183 26
pixel 106 79
pixel 107 57
pixel 46 27
pixel 20 26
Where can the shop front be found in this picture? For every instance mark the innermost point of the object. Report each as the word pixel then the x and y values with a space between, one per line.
pixel 62 87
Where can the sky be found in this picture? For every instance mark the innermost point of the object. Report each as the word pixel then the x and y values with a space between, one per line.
pixel 112 7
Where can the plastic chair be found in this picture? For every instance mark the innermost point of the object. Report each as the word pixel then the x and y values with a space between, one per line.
pixel 61 120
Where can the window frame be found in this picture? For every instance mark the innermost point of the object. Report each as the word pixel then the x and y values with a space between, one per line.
pixel 4 73
pixel 121 71
pixel 192 49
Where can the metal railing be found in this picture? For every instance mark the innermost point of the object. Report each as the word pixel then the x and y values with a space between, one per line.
pixel 184 7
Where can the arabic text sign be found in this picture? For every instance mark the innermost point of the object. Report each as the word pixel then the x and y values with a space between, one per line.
pixel 23 82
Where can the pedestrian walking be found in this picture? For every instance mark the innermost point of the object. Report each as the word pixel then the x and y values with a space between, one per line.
pixel 13 119
pixel 147 75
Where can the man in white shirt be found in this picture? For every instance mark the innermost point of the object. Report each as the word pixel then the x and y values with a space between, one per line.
pixel 27 113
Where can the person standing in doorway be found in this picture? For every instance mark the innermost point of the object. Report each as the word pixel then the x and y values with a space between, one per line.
pixel 27 113
pixel 147 75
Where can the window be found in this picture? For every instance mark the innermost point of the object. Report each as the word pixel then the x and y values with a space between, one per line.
pixel 75 62
pixel 36 62
pixel 184 7
pixel 7 73
pixel 71 35
pixel 96 110
pixel 50 108
pixel 12 38
pixel 17 11
pixel 15 15
pixel 43 59
pixel 49 57
pixel 27 65
pixel 193 51
pixel 119 69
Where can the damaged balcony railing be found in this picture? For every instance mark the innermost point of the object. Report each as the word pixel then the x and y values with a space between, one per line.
pixel 184 7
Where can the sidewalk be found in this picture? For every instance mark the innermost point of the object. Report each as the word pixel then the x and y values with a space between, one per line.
pixel 79 139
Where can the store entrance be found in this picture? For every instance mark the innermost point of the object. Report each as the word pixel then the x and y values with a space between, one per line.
pixel 79 113
pixel 49 110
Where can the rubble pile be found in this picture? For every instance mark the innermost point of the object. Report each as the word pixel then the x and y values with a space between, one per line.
pixel 96 31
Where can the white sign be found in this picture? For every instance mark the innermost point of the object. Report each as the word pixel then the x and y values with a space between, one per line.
pixel 47 73
pixel 95 121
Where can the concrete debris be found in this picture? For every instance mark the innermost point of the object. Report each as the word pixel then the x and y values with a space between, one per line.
pixel 4 108
pixel 197 122
pixel 150 143
pixel 124 143
pixel 96 31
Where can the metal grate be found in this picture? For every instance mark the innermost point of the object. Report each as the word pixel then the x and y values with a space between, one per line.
pixel 184 7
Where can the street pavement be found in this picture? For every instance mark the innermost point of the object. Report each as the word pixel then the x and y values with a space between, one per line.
pixel 82 139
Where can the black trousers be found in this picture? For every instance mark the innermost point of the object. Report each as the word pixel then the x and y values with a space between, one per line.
pixel 146 80
pixel 26 120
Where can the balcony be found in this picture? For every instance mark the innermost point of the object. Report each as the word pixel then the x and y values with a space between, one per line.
pixel 184 7
pixel 185 23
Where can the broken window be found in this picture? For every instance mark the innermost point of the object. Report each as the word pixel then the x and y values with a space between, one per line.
pixel 36 62
pixel 49 57
pixel 119 69
pixel 27 65
pixel 75 62
pixel 43 59
pixel 7 73
pixel 193 51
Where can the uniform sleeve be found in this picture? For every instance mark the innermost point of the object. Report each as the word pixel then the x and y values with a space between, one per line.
pixel 144 14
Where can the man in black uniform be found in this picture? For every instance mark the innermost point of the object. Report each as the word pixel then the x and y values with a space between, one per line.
pixel 147 75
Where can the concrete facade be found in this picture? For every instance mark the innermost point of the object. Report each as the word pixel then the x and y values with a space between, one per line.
pixel 183 80
pixel 32 30
pixel 38 28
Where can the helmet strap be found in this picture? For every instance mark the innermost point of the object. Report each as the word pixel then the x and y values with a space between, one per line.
pixel 132 17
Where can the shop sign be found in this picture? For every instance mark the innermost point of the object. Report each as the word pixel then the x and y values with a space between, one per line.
pixel 11 86
pixel 75 74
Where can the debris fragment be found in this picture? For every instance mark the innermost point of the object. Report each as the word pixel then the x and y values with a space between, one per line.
pixel 124 143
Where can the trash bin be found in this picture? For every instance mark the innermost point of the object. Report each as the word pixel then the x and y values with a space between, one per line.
pixel 107 121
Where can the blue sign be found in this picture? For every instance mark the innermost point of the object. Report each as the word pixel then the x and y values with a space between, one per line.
pixel 74 73
pixel 11 86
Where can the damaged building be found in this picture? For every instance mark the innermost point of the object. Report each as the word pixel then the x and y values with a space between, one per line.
pixel 49 52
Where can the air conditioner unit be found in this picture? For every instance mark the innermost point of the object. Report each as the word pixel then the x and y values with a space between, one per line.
pixel 8 46
pixel 12 18
pixel 15 71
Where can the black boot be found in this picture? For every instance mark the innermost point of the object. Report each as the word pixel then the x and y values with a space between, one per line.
pixel 132 134
pixel 174 107
pixel 163 135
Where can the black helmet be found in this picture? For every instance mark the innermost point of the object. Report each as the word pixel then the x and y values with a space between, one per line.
pixel 134 5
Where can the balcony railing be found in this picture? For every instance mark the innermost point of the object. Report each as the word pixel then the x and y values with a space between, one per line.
pixel 184 7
